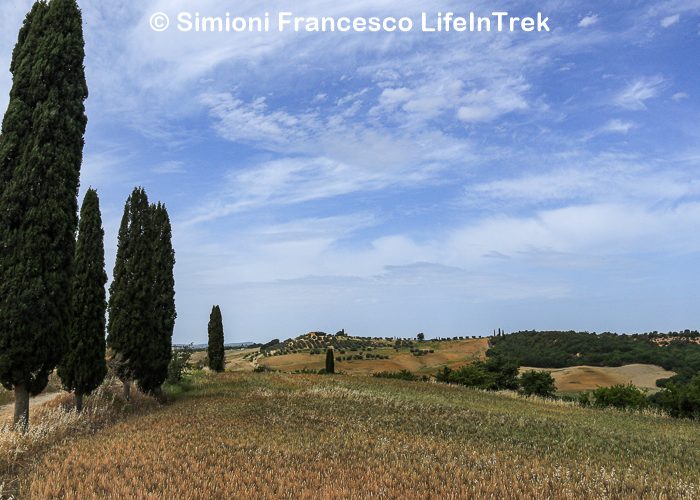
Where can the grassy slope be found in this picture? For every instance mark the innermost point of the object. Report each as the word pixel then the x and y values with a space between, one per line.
pixel 248 435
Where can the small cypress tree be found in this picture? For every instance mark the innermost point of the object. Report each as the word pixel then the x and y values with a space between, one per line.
pixel 215 348
pixel 84 367
pixel 330 361
pixel 41 148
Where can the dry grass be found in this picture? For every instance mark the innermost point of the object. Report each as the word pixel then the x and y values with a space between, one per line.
pixel 585 378
pixel 275 435
pixel 56 422
pixel 447 353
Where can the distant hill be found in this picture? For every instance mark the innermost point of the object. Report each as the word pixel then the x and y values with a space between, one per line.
pixel 233 345
pixel 342 340
pixel 368 355
pixel 675 351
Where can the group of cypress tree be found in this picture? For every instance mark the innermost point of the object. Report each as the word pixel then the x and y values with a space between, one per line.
pixel 142 296
pixel 215 347
pixel 41 148
pixel 52 295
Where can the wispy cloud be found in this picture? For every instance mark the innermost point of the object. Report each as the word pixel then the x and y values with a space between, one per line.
pixel 614 126
pixel 587 21
pixel 638 92
pixel 679 96
pixel 170 167
pixel 669 21
pixel 605 179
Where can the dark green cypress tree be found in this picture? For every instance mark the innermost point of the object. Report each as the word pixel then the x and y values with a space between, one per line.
pixel 159 344
pixel 84 367
pixel 131 324
pixel 41 150
pixel 330 361
pixel 215 349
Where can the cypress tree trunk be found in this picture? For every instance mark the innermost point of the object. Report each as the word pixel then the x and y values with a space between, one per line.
pixel 21 407
pixel 79 402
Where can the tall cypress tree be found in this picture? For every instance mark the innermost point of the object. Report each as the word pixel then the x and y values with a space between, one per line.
pixel 131 317
pixel 41 150
pixel 215 349
pixel 84 367
pixel 142 295
pixel 159 344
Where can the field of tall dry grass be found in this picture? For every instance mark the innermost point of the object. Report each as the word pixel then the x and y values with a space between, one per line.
pixel 276 435
pixel 56 423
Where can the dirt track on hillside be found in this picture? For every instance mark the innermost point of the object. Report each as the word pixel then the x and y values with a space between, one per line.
pixel 6 411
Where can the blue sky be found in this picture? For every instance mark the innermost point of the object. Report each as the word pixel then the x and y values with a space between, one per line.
pixel 450 183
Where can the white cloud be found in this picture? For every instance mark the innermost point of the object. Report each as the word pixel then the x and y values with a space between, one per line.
pixel 253 122
pixel 679 96
pixel 588 21
pixel 290 181
pixel 669 21
pixel 606 179
pixel 170 167
pixel 488 104
pixel 616 126
pixel 635 95
pixel 576 234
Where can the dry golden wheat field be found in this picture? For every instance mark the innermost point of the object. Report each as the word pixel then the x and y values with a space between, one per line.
pixel 586 378
pixel 245 435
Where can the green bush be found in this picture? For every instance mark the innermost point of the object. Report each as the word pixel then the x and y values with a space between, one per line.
pixel 620 396
pixel 537 383
pixel 179 363
pixel 496 374
pixel 681 400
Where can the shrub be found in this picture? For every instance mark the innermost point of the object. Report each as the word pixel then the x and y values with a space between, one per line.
pixel 261 369
pixel 473 375
pixel 681 400
pixel 620 396
pixel 494 375
pixel 179 363
pixel 537 383
pixel 584 399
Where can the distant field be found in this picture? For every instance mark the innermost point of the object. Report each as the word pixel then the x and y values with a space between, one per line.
pixel 447 353
pixel 234 359
pixel 240 435
pixel 585 378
